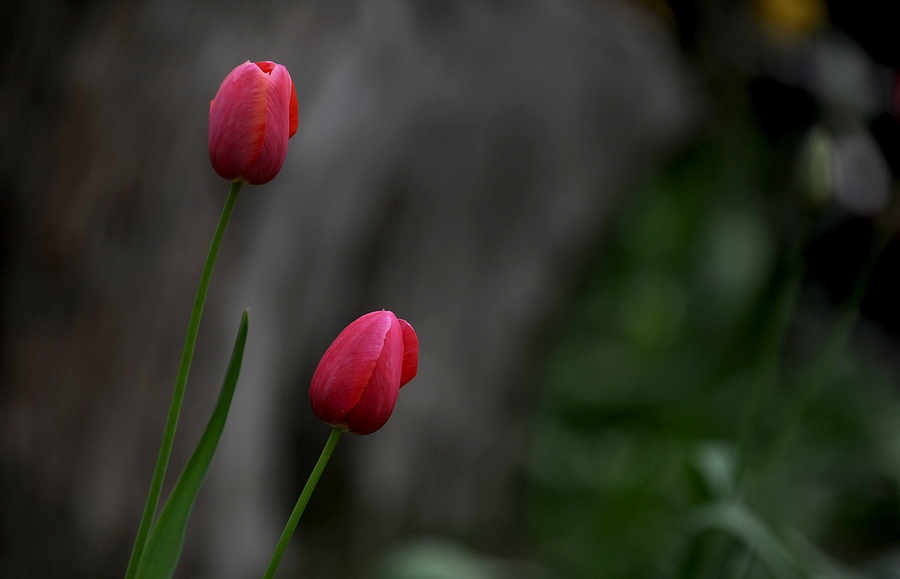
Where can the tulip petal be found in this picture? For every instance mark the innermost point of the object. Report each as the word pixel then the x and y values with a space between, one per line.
pixel 377 402
pixel 275 143
pixel 295 113
pixel 237 121
pixel 410 353
pixel 347 366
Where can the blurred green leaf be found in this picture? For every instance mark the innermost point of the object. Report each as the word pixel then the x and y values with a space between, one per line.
pixel 674 382
pixel 439 558
pixel 717 464
pixel 735 519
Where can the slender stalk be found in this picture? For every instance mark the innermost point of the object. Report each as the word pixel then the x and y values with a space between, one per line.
pixel 187 354
pixel 301 503
pixel 820 369
pixel 822 366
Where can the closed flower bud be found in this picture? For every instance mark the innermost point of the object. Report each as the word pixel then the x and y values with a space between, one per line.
pixel 250 121
pixel 815 168
pixel 356 384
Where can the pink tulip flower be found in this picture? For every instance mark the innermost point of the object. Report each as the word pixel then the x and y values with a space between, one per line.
pixel 250 121
pixel 356 384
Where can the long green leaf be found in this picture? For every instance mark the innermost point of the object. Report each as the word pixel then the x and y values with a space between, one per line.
pixel 184 368
pixel 736 519
pixel 167 537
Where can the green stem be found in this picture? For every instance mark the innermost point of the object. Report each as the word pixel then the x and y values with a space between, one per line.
pixel 301 502
pixel 184 368
pixel 818 372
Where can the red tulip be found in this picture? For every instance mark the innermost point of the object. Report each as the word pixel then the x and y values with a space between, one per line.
pixel 356 384
pixel 250 121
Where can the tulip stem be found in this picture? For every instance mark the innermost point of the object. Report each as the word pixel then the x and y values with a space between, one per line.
pixel 184 368
pixel 301 502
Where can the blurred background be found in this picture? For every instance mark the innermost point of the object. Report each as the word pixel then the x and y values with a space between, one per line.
pixel 648 247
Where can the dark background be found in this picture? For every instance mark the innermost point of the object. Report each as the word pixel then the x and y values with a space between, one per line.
pixel 633 237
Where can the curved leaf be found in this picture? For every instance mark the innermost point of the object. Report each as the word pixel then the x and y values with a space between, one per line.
pixel 164 545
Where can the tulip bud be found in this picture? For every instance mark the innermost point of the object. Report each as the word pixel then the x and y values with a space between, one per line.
pixel 356 384
pixel 250 121
pixel 815 168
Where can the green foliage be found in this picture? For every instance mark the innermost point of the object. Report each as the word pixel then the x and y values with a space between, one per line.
pixel 700 415
pixel 445 559
pixel 160 556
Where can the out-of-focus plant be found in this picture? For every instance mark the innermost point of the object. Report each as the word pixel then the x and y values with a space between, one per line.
pixel 711 405
pixel 702 415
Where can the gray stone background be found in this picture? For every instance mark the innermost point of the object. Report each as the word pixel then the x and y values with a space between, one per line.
pixel 455 163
